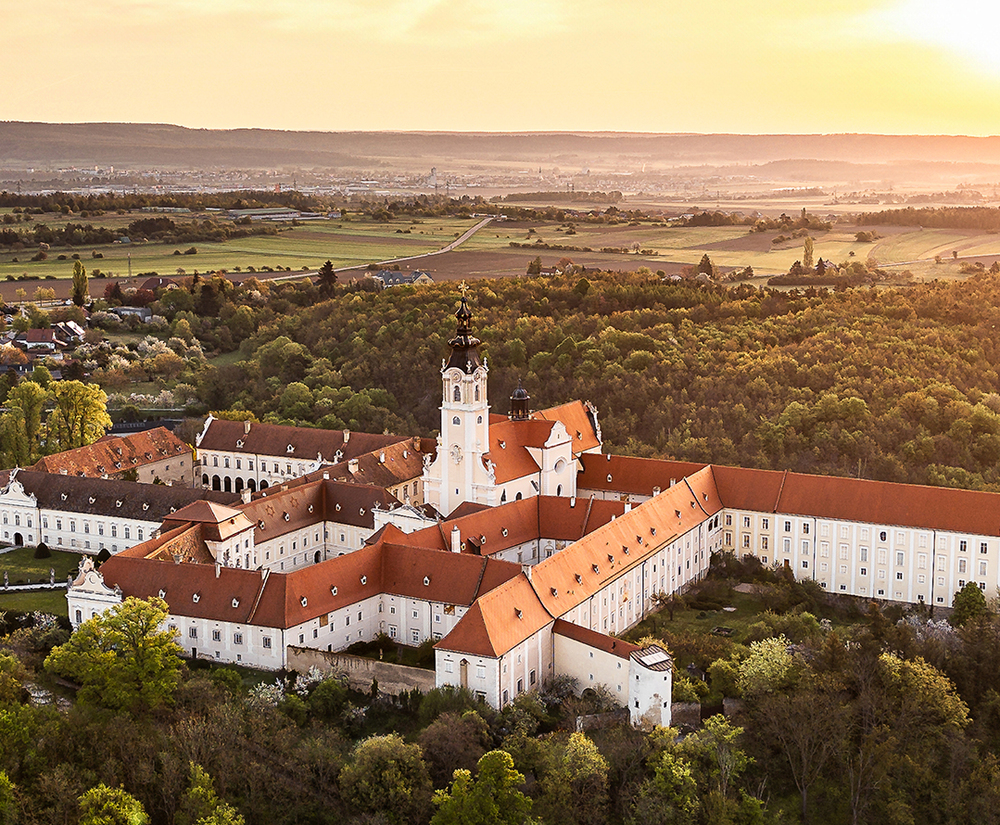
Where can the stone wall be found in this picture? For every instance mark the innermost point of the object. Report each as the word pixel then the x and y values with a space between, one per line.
pixel 392 679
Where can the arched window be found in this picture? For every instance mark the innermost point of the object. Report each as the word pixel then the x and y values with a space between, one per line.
pixel 477 392
pixel 456 421
pixel 457 394
pixel 479 419
pixel 517 497
pixel 559 490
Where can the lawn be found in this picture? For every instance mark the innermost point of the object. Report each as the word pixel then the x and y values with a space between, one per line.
pixel 47 601
pixel 22 566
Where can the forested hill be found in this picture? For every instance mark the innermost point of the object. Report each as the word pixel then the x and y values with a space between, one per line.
pixel 164 145
pixel 897 385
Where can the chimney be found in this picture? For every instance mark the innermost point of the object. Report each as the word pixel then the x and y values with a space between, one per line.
pixel 218 570
pixel 526 569
pixel 352 465
pixel 456 540
pixel 572 501
pixel 656 491
pixel 326 475
pixel 416 443
pixel 246 428
pixel 347 436
pixel 245 495
pixel 628 506
pixel 381 457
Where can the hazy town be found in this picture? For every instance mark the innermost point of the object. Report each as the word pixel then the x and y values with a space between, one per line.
pixel 457 413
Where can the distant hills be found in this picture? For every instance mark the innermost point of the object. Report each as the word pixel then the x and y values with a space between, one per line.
pixel 166 146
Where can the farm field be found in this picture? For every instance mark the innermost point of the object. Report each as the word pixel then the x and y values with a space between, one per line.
pixel 488 253
pixel 307 246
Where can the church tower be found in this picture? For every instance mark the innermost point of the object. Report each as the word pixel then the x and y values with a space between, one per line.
pixel 460 471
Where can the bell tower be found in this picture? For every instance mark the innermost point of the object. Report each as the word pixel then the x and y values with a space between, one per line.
pixel 460 471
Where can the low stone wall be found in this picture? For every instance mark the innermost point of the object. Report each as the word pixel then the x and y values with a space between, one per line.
pixel 686 715
pixel 602 720
pixel 392 679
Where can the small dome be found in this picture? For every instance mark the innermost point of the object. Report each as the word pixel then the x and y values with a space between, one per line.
pixel 519 401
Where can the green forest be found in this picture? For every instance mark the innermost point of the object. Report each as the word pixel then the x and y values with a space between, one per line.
pixel 899 385
pixel 844 712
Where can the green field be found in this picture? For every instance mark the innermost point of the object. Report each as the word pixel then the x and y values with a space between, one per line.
pixel 345 243
pixel 21 565
pixel 47 601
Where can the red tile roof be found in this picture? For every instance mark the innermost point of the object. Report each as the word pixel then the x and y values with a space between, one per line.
pixel 626 474
pixel 578 421
pixel 852 499
pixel 306 442
pixel 509 441
pixel 591 638
pixel 112 455
pixel 498 621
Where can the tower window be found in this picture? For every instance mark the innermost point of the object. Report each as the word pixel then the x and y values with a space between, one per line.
pixel 456 421
pixel 457 394
pixel 477 393
pixel 479 420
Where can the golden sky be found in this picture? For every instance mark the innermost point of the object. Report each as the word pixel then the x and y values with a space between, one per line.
pixel 801 66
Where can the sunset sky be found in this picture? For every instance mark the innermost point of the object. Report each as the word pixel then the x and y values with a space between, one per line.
pixel 889 66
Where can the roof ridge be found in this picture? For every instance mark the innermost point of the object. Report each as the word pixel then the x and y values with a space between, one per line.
pixel 781 488
pixel 586 518
pixel 265 575
pixel 693 493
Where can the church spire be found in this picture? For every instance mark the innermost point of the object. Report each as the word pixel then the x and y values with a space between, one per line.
pixel 464 346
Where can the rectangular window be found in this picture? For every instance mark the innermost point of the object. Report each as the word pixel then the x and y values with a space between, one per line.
pixel 266 641
pixel 128 533
pixel 805 528
pixel 237 638
pixel 900 559
pixel 86 527
pixel 746 521
pixel 727 538
pixel 864 554
pixel 899 576
pixel 982 568
pixel 746 540
pixel 805 564
pixel 763 542
pixel 844 552
pixel 729 520
pixel 216 635
pixel 788 527
pixel 864 571
pixel 392 631
pixel 139 533
pixel 940 564
pixel 983 548
pixel 786 545
pixel 193 632
pixel 961 565
pixel 922 561
pixel 963 545
pixel 415 636
pixel 844 531
pixel 765 524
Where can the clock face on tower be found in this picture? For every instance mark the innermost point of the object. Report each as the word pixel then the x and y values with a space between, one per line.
pixel 456 454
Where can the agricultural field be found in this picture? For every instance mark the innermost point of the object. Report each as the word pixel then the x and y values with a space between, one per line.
pixel 350 243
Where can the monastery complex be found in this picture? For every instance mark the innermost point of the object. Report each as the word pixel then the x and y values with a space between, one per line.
pixel 512 541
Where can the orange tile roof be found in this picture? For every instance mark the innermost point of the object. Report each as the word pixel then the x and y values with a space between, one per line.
pixel 591 638
pixel 577 419
pixel 113 455
pixel 568 578
pixel 498 621
pixel 386 466
pixel 509 441
pixel 638 476
pixel 493 529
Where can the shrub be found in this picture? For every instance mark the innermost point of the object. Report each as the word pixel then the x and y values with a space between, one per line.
pixel 42 551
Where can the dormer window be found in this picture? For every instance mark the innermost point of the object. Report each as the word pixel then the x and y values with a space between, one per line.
pixel 652 531
pixel 333 590
pixel 162 593
pixel 609 477
pixel 145 505
pixel 260 524
pixel 427 581
pixel 503 532
pixel 518 613
pixel 579 578
pixel 482 539
pixel 285 516
pixel 555 592
pixel 118 503
pixel 63 496
pixel 362 511
pixel 338 507
pixel 310 508
pixel 611 559
pixel 236 602
pixel 677 513
pixel 364 580
pixel 239 443
pixel 596 568
pixel 304 601
pixel 289 449
pixel 196 598
pixel 92 499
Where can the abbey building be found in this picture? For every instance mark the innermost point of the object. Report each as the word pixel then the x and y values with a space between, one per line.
pixel 522 551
